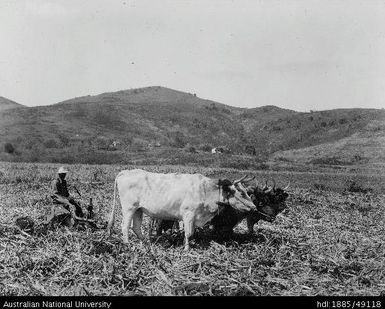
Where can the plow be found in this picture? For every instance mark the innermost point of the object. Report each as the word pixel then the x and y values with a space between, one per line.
pixel 61 214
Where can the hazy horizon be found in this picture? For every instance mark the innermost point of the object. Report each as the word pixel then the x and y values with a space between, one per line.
pixel 299 55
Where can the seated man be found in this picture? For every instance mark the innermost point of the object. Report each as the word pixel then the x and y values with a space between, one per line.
pixel 60 193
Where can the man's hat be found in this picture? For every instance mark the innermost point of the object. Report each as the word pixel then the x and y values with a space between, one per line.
pixel 62 170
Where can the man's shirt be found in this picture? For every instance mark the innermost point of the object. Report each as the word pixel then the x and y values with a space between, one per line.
pixel 59 187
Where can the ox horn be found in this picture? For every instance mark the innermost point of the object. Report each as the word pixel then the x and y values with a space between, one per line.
pixel 239 180
pixel 273 183
pixel 287 187
pixel 265 187
pixel 249 179
pixel 256 183
pixel 243 189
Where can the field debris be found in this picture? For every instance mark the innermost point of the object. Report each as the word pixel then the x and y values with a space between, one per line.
pixel 327 242
pixel 25 224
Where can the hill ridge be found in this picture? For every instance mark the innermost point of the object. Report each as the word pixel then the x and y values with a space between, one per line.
pixel 172 118
pixel 7 104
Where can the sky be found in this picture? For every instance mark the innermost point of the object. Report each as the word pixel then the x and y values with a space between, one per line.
pixel 297 54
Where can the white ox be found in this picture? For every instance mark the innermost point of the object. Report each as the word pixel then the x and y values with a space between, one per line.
pixel 192 198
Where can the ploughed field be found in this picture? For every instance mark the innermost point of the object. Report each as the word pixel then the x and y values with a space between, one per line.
pixel 329 241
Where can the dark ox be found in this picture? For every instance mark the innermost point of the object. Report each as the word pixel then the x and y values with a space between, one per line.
pixel 269 203
pixel 161 226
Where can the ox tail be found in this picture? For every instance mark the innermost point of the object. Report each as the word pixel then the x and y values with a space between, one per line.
pixel 112 216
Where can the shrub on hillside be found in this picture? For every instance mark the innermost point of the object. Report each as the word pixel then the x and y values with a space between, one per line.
pixel 205 147
pixel 51 143
pixel 328 161
pixel 354 187
pixel 283 159
pixel 8 148
pixel 64 140
pixel 178 140
pixel 30 143
pixel 36 154
pixel 320 186
pixel 235 163
pixel 138 145
pixel 190 148
pixel 102 142
pixel 262 166
pixel 127 140
pixel 103 115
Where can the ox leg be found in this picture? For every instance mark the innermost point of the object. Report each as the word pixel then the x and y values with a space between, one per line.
pixel 188 222
pixel 137 224
pixel 159 226
pixel 250 225
pixel 151 227
pixel 126 224
pixel 176 226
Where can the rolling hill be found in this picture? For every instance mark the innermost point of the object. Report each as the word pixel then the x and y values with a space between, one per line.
pixel 364 146
pixel 163 116
pixel 8 104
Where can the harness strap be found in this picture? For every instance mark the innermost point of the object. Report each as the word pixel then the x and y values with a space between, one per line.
pixel 265 215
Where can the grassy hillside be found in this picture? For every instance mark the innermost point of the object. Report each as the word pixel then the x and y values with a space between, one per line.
pixel 367 145
pixel 152 114
pixel 138 119
pixel 8 104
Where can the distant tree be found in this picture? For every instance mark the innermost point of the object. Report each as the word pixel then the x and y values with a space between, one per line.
pixel 8 148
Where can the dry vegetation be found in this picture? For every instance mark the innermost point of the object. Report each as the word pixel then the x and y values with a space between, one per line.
pixel 330 241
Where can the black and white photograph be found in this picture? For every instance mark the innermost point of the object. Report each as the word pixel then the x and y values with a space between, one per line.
pixel 192 148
